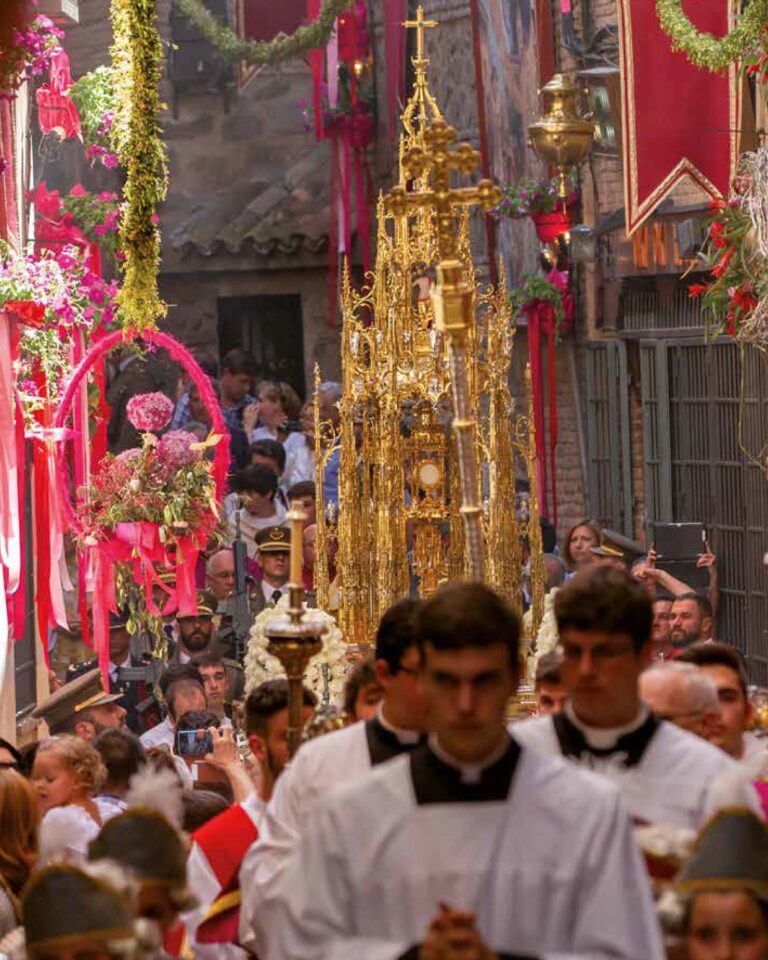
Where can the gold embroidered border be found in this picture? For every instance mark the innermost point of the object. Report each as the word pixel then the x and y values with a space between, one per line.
pixel 638 211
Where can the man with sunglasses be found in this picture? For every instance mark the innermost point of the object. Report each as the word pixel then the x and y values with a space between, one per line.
pixel 666 774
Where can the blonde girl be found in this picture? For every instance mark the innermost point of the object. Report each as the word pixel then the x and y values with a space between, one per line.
pixel 67 774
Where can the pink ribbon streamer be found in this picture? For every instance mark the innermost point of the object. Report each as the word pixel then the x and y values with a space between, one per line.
pixel 10 526
pixel 332 69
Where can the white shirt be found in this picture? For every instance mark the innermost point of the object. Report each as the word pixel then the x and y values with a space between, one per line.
pixel 755 756
pixel 268 590
pixel 109 806
pixel 203 883
pixel 250 526
pixel 671 783
pixel 114 667
pixel 299 460
pixel 550 869
pixel 161 735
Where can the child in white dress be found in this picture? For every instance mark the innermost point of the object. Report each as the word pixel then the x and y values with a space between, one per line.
pixel 67 774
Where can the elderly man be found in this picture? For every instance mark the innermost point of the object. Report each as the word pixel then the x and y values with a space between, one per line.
pixel 682 694
pixel 220 574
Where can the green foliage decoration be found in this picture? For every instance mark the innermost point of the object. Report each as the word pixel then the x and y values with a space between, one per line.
pixel 232 48
pixel 704 49
pixel 137 64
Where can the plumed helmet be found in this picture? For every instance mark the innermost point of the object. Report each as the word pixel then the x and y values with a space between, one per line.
pixel 144 842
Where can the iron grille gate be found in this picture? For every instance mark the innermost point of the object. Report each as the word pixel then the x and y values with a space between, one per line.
pixel 608 438
pixel 699 445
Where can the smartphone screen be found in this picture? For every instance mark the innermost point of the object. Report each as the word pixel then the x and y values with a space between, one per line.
pixel 193 743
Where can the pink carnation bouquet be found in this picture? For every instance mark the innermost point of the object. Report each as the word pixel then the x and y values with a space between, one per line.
pixel 149 411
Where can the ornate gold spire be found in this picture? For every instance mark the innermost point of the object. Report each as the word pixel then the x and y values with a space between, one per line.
pixel 422 106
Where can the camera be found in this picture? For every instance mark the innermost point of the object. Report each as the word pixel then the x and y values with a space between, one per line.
pixel 193 743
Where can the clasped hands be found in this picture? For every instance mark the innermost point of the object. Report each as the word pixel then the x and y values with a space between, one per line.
pixel 453 935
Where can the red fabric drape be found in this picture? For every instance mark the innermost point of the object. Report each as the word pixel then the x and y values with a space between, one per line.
pixel 691 134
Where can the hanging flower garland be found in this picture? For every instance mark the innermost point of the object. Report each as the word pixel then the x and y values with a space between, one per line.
pixel 26 45
pixel 705 50
pixel 94 96
pixel 232 47
pixel 137 60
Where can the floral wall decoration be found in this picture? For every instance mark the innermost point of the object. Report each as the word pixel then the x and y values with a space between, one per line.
pixel 27 41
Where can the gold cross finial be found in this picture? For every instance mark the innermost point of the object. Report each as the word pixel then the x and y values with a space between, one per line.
pixel 420 25
pixel 432 165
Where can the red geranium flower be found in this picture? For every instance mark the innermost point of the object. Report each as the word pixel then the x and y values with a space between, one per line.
pixel 696 289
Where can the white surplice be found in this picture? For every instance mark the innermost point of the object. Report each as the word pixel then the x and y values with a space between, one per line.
pixel 670 784
pixel 550 869
pixel 755 756
pixel 319 766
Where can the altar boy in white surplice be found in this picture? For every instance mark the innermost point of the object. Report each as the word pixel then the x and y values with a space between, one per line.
pixel 472 845
pixel 667 776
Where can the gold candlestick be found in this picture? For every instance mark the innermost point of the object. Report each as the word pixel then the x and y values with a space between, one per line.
pixel 296 518
pixel 294 638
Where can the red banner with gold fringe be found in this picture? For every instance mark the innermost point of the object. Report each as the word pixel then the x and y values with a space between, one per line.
pixel 679 122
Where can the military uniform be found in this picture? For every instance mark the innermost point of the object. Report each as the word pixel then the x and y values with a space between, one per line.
pixel 133 680
pixel 207 606
pixel 62 709
pixel 271 540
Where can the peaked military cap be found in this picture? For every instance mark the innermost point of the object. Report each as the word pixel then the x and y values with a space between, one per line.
pixel 206 604
pixel 731 853
pixel 274 540
pixel 65 908
pixel 74 697
pixel 143 841
pixel 119 619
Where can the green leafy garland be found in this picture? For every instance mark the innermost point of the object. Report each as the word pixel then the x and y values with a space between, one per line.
pixel 137 61
pixel 233 48
pixel 705 50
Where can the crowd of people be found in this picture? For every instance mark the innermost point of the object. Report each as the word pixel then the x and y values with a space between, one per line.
pixel 426 824
pixel 163 816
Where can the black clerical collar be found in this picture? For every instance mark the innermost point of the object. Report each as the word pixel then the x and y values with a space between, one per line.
pixel 385 742
pixel 627 751
pixel 437 781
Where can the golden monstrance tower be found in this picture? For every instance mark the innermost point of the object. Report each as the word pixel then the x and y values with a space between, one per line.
pixel 430 444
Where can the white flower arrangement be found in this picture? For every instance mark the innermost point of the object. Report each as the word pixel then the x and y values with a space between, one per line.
pixel 260 665
pixel 547 637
